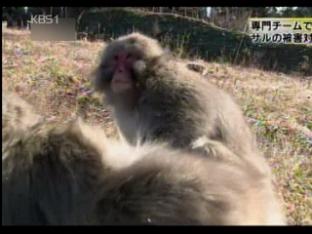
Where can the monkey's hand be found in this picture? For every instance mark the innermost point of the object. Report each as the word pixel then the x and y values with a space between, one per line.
pixel 214 149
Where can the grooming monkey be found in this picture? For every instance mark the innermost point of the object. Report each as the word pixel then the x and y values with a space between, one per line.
pixel 155 98
pixel 178 188
pixel 71 174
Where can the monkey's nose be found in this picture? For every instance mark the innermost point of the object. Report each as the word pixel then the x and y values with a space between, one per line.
pixel 120 69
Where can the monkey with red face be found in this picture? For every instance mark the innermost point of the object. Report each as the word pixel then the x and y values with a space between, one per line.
pixel 71 174
pixel 119 67
pixel 155 98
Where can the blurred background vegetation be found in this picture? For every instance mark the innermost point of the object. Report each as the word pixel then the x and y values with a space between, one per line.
pixel 233 18
pixel 210 33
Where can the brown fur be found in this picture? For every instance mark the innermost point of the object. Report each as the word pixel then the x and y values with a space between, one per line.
pixel 49 176
pixel 60 174
pixel 174 188
pixel 173 104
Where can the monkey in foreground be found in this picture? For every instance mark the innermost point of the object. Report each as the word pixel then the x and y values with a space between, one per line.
pixel 71 174
pixel 49 171
pixel 155 98
pixel 19 115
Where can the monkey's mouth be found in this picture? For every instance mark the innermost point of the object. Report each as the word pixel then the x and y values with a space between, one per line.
pixel 119 86
pixel 121 82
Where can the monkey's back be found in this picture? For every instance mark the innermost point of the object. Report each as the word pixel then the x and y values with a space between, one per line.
pixel 179 105
pixel 173 188
pixel 50 173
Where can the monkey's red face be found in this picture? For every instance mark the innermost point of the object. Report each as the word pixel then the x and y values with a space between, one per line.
pixel 117 75
pixel 122 77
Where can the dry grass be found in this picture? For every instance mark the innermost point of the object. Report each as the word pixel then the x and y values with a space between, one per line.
pixel 55 78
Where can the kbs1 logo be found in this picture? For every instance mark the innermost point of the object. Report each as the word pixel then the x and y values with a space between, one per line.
pixel 44 19
pixel 52 28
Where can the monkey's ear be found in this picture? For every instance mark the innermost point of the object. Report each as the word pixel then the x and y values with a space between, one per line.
pixel 139 67
pixel 167 55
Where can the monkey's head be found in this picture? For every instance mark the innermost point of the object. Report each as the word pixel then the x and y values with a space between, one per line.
pixel 122 62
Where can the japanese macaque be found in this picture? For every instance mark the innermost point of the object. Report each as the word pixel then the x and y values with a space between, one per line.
pixel 177 188
pixel 19 115
pixel 156 98
pixel 71 174
pixel 50 171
